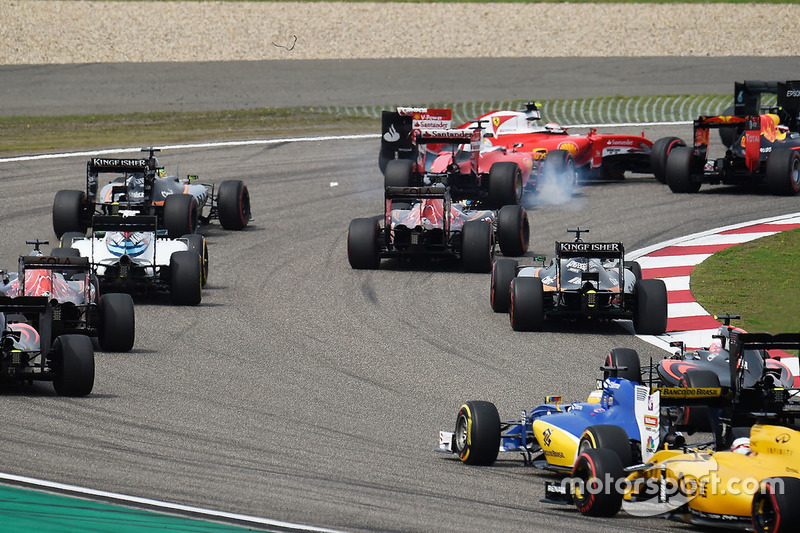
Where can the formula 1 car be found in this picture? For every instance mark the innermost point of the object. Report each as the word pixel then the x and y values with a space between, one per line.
pixel 621 415
pixel 29 351
pixel 142 185
pixel 584 280
pixel 419 148
pixel 74 297
pixel 700 475
pixel 424 222
pixel 129 253
pixel 766 149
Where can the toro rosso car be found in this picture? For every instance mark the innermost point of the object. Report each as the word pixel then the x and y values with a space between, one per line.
pixel 425 222
pixel 73 295
pixel 765 150
pixel 130 254
pixel 585 280
pixel 621 415
pixel 29 350
pixel 142 185
pixel 419 148
pixel 725 488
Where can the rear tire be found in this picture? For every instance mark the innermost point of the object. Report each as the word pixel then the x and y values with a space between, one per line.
pixel 607 437
pixel 67 238
pixel 783 172
pixel 559 169
pixel 623 357
pixel 233 205
pixel 477 246
pixel 186 284
pixel 696 416
pixel 658 156
pixel 180 215
pixel 118 322
pixel 679 167
pixel 73 360
pixel 477 435
pixel 599 465
pixel 634 267
pixel 513 230
pixel 505 184
pixel 774 508
pixel 197 243
pixel 527 304
pixel 70 212
pixel 650 314
pixel 503 271
pixel 399 173
pixel 362 244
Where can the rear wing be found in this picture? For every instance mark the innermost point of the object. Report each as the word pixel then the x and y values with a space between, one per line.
pixel 24 304
pixel 135 223
pixel 399 128
pixel 411 194
pixel 53 263
pixel 98 165
pixel 599 250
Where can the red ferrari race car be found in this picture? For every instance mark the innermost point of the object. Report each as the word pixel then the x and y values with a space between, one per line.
pixel 558 158
pixel 765 148
pixel 425 222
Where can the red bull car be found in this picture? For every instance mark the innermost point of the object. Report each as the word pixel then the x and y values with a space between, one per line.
pixel 765 148
pixel 425 222
pixel 73 293
pixel 142 185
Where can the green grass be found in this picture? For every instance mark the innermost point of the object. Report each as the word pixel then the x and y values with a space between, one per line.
pixel 757 280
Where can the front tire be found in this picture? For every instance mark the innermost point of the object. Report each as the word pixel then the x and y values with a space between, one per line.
pixel 233 205
pixel 658 156
pixel 70 212
pixel 513 230
pixel 505 184
pixel 503 272
pixel 186 284
pixel 650 314
pixel 477 435
pixel 592 470
pixel 180 215
pixel 679 171
pixel 783 172
pixel 362 244
pixel 607 437
pixel 527 304
pixel 774 507
pixel 118 322
pixel 623 357
pixel 73 360
pixel 696 417
pixel 477 246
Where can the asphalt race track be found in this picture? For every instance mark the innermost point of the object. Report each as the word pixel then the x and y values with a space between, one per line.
pixel 304 391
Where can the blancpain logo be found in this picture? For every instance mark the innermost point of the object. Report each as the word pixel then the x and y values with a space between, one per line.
pixel 391 136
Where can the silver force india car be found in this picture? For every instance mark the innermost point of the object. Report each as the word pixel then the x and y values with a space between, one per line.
pixel 66 281
pixel 129 253
pixel 142 185
pixel 585 280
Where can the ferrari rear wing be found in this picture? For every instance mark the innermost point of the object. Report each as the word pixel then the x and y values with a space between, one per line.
pixel 140 223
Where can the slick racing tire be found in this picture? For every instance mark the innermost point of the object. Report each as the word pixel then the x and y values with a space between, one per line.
pixel 180 215
pixel 72 358
pixel 197 243
pixel 729 134
pixel 658 156
pixel 117 322
pixel 233 205
pixel 362 244
pixel 505 185
pixel 775 506
pixel 593 471
pixel 186 278
pixel 559 170
pixel 477 246
pixel 650 313
pixel 70 212
pixel 608 437
pixel 477 435
pixel 513 230
pixel 399 173
pixel 783 172
pixel 64 252
pixel 679 167
pixel 696 417
pixel 634 267
pixel 527 304
pixel 503 271
pixel 623 357
pixel 68 238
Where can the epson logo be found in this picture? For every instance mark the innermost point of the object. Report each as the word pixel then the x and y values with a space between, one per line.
pixel 793 93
